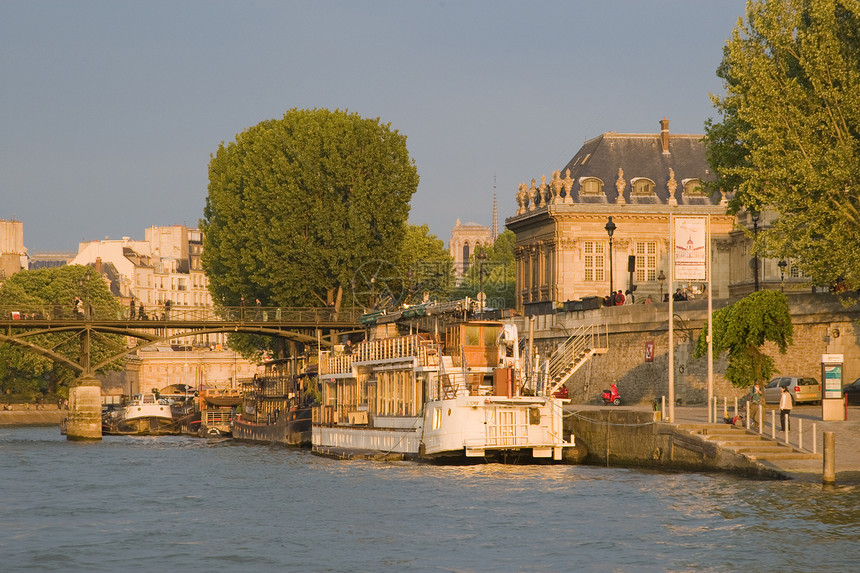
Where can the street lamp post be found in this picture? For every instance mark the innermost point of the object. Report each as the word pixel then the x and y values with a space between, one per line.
pixel 755 218
pixel 661 277
pixel 610 230
pixel 482 256
pixel 782 264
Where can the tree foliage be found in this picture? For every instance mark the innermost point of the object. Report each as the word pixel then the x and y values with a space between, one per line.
pixel 789 135
pixel 742 328
pixel 500 273
pixel 297 205
pixel 50 293
pixel 424 266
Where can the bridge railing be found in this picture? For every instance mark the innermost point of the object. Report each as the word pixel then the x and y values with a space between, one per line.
pixel 85 311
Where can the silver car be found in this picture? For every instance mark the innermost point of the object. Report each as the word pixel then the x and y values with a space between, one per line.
pixel 802 389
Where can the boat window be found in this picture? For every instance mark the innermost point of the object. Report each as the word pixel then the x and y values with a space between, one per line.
pixel 472 335
pixel 437 418
pixel 491 335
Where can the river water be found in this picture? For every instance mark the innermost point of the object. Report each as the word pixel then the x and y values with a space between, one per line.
pixel 187 504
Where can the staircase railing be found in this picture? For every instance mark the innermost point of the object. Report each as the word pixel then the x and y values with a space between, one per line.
pixel 584 342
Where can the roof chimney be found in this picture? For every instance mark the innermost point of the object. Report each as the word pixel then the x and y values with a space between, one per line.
pixel 664 135
pixel 98 265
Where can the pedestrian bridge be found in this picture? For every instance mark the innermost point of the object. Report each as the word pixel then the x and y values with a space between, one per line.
pixel 25 325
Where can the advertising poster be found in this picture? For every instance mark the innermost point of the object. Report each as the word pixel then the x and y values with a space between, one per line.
pixel 691 249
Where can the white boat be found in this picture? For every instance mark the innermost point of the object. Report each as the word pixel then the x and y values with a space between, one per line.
pixel 144 414
pixel 458 394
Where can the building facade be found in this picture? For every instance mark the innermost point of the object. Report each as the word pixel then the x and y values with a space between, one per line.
pixel 464 242
pixel 166 266
pixel 13 255
pixel 564 250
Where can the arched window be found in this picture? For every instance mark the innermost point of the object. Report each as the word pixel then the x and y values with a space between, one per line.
pixel 642 186
pixel 591 186
pixel 466 253
pixel 693 187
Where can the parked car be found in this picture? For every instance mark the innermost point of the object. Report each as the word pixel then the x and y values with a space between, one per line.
pixel 852 392
pixel 802 389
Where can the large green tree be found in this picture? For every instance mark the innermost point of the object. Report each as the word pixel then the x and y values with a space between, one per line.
pixel 789 134
pixel 51 293
pixel 298 205
pixel 742 328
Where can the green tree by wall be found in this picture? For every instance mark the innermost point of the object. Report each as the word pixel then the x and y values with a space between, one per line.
pixel 742 328
pixel 789 135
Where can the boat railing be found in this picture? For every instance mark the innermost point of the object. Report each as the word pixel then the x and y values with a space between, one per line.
pixel 411 346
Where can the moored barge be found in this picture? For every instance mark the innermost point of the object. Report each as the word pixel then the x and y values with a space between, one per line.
pixel 455 393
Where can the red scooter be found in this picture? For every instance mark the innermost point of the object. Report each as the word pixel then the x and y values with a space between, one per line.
pixel 611 396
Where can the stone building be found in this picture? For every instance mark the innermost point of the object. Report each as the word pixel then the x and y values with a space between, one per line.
pixel 464 242
pixel 166 266
pixel 563 249
pixel 13 254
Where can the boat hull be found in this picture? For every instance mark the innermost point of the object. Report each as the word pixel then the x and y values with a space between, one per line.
pixel 292 429
pixel 461 429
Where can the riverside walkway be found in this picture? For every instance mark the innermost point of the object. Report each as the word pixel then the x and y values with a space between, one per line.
pixel 847 434
pixel 634 436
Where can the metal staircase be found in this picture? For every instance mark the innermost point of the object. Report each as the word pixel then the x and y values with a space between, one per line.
pixel 581 345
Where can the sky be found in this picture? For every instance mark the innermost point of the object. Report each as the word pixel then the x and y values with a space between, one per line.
pixel 110 110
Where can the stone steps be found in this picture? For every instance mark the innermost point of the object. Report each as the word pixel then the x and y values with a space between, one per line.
pixel 755 446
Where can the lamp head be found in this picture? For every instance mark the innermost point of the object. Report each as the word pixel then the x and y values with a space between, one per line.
pixel 610 227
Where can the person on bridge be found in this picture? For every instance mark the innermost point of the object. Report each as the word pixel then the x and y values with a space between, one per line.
pixel 131 310
pixel 259 314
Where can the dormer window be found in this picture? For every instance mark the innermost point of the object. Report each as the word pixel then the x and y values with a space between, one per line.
pixel 693 188
pixel 591 186
pixel 642 186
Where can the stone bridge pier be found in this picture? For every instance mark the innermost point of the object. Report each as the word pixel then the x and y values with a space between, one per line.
pixel 85 409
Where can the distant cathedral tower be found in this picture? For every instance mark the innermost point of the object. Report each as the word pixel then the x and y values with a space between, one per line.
pixel 465 239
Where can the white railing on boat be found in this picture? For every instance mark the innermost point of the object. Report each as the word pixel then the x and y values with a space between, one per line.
pixel 411 346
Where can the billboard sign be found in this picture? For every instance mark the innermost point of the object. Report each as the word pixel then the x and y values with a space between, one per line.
pixel 691 248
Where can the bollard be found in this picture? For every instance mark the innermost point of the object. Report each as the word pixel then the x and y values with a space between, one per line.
pixel 760 419
pixel 800 433
pixel 715 409
pixel 725 407
pixel 747 404
pixel 663 406
pixel 814 438
pixel 736 405
pixel 829 474
pixel 773 424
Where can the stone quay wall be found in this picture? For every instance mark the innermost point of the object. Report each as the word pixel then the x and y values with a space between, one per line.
pixel 822 325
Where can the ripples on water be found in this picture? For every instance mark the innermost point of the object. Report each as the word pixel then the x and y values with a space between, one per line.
pixel 186 504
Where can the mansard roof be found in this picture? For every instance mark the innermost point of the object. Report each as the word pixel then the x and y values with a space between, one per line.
pixel 640 156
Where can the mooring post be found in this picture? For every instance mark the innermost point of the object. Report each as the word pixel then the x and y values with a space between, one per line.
pixel 829 474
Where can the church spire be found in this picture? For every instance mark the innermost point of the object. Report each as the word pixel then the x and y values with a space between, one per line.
pixel 495 212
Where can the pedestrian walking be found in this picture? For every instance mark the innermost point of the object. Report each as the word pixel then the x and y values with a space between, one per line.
pixel 755 396
pixel 259 314
pixel 784 409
